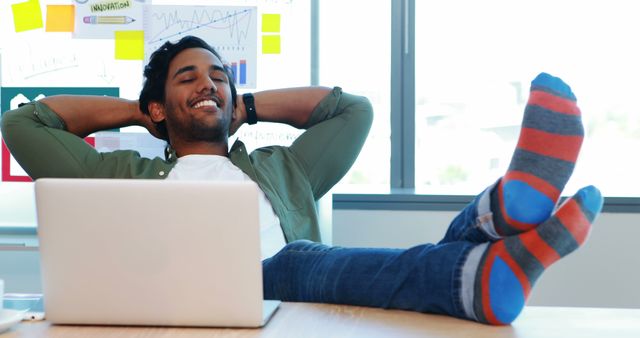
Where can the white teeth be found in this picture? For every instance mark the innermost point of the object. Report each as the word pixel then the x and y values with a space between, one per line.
pixel 205 103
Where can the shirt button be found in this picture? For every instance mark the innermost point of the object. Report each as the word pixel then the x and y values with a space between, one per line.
pixel 161 173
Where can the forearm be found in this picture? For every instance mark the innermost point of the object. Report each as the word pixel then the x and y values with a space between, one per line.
pixel 84 115
pixel 292 106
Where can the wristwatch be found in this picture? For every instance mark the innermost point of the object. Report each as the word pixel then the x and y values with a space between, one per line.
pixel 250 108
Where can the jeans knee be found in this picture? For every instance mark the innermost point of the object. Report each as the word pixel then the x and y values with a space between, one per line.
pixel 301 245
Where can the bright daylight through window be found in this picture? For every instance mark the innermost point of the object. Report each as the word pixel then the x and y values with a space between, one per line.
pixel 474 64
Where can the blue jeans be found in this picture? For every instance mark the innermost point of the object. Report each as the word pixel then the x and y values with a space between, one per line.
pixel 424 278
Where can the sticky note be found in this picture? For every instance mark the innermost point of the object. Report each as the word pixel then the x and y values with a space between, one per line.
pixel 271 44
pixel 60 18
pixel 129 45
pixel 271 23
pixel 27 15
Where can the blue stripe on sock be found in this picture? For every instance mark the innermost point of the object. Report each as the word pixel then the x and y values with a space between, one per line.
pixel 553 83
pixel 526 204
pixel 591 199
pixel 505 292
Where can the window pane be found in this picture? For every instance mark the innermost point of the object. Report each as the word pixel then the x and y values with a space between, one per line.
pixel 475 61
pixel 355 55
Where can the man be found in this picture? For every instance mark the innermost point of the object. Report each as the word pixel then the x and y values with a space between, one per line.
pixel 482 270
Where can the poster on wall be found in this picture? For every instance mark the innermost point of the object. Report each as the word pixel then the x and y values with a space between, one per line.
pixel 12 97
pixel 100 19
pixel 231 30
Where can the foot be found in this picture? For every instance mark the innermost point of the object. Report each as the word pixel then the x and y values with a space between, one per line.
pixel 544 158
pixel 507 269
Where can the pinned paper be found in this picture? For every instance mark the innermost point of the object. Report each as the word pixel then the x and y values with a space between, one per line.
pixel 129 45
pixel 60 18
pixel 271 23
pixel 27 15
pixel 271 44
pixel 112 5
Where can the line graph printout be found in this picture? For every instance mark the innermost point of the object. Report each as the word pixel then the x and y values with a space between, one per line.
pixel 231 30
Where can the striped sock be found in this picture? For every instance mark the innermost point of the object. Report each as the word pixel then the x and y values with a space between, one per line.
pixel 508 268
pixel 544 158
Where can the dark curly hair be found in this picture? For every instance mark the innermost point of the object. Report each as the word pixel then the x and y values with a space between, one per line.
pixel 156 72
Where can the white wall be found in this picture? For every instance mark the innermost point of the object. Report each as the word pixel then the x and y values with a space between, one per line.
pixel 605 272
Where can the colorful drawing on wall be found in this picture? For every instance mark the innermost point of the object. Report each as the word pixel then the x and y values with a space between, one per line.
pixel 12 97
pixel 232 30
pixel 100 19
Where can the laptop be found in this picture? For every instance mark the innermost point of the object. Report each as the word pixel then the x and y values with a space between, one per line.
pixel 151 252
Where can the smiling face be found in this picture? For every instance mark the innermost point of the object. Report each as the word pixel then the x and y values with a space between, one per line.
pixel 198 104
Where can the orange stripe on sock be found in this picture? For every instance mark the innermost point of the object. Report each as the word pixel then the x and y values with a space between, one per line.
pixel 498 249
pixel 535 182
pixel 564 147
pixel 486 302
pixel 555 103
pixel 540 249
pixel 515 267
pixel 574 220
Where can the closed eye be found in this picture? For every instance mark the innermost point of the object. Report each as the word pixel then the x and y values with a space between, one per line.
pixel 218 77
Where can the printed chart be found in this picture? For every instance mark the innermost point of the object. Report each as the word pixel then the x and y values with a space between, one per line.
pixel 231 30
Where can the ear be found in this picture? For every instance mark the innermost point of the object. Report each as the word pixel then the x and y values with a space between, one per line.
pixel 156 110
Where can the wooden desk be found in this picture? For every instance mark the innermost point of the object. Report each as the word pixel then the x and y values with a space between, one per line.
pixel 299 320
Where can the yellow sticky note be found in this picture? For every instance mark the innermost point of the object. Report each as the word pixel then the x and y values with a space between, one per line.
pixel 60 18
pixel 271 23
pixel 129 45
pixel 271 44
pixel 27 15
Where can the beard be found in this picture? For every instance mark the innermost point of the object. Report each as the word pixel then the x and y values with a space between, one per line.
pixel 198 130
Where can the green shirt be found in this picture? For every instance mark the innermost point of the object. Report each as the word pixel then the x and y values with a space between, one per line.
pixel 293 178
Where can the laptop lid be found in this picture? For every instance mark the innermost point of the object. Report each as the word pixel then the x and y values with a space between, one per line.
pixel 149 252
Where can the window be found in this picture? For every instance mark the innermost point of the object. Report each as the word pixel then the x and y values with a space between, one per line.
pixel 355 54
pixel 474 64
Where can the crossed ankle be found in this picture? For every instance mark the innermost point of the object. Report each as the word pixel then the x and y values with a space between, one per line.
pixel 506 270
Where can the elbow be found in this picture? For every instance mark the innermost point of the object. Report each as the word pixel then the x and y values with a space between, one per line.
pixel 364 112
pixel 12 118
pixel 16 124
pixel 5 123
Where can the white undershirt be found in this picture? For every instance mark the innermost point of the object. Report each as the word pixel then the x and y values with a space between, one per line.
pixel 220 168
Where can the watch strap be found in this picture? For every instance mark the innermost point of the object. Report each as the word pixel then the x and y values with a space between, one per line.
pixel 250 108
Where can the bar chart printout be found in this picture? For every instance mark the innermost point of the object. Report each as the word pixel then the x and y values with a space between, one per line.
pixel 239 71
